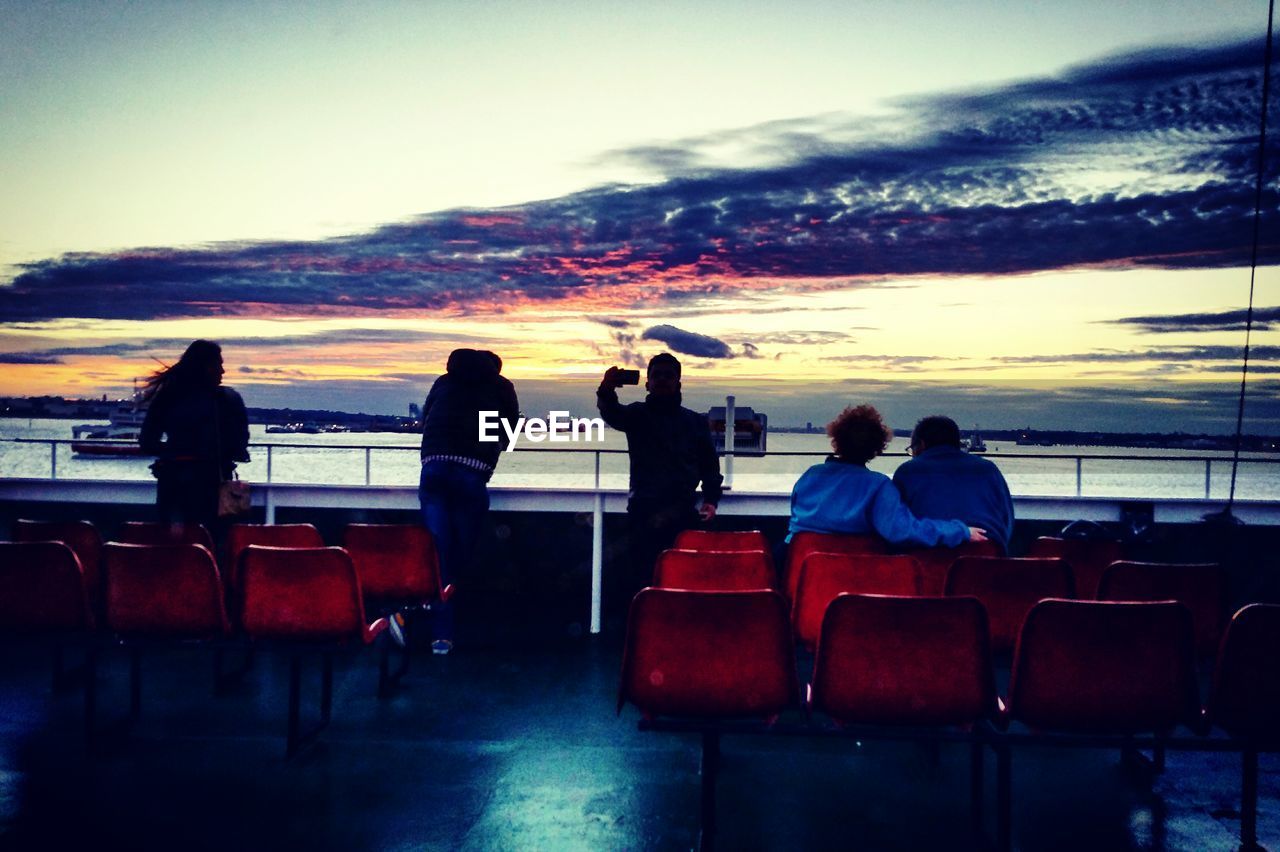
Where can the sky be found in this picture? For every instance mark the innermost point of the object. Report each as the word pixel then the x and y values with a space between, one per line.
pixel 1017 214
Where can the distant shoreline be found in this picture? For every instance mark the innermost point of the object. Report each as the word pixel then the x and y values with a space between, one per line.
pixel 53 408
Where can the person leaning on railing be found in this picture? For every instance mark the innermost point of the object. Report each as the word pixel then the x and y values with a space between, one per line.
pixel 842 496
pixel 457 465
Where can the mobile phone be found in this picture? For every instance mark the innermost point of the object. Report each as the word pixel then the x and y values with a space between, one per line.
pixel 629 377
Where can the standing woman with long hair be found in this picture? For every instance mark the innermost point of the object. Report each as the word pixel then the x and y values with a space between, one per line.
pixel 197 429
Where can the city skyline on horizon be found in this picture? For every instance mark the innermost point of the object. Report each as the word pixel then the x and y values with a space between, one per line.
pixel 994 230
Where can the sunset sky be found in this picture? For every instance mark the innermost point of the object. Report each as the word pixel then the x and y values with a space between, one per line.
pixel 1014 213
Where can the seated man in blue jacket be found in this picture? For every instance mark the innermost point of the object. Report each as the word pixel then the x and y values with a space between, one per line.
pixel 943 481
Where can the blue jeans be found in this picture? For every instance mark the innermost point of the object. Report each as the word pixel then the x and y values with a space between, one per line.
pixel 454 502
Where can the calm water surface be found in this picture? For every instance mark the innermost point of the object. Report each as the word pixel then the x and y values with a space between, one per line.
pixel 324 459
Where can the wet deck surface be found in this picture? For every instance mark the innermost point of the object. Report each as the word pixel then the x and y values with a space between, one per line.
pixel 512 743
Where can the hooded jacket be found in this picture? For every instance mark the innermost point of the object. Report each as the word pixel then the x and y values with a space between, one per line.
pixel 451 413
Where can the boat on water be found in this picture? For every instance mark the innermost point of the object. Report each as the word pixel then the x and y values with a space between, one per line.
pixel 975 444
pixel 119 438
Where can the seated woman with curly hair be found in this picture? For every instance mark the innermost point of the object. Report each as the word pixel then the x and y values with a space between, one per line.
pixel 842 496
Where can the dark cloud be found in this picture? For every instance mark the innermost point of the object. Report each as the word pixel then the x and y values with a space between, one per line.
pixel 27 358
pixel 1172 354
pixel 611 322
pixel 689 342
pixel 171 348
pixel 1030 176
pixel 1264 319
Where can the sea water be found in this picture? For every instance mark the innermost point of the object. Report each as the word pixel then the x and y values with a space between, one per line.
pixel 391 459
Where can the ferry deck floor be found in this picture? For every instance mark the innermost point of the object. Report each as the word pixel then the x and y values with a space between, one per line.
pixel 512 743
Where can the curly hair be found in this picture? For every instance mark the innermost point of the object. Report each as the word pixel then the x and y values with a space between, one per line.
pixel 858 434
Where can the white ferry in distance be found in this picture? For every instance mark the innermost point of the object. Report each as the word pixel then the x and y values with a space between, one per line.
pixel 124 424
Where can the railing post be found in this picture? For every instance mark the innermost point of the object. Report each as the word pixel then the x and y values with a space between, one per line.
pixel 1079 476
pixel 597 455
pixel 367 453
pixel 1208 476
pixel 730 426
pixel 269 508
pixel 53 459
pixel 269 449
pixel 597 552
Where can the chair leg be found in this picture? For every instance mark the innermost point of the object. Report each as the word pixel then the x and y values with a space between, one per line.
pixel 976 755
pixel 295 687
pixel 1004 799
pixel 710 772
pixel 135 684
pixel 1249 801
pixel 297 737
pixel 326 689
pixel 91 696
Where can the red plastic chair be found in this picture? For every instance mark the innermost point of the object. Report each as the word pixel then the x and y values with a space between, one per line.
pixel 397 563
pixel 43 594
pixel 714 570
pixel 1245 700
pixel 885 660
pixel 156 533
pixel 42 590
pixel 804 543
pixel 241 536
pixel 81 536
pixel 1201 587
pixel 935 562
pixel 823 576
pixel 1102 667
pixel 1008 587
pixel 304 599
pixel 1088 558
pixel 709 655
pixel 161 594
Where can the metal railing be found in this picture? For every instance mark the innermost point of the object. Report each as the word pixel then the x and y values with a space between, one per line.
pixel 598 453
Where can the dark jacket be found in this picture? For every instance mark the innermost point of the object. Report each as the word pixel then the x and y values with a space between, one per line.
pixel 670 450
pixel 947 482
pixel 197 424
pixel 451 414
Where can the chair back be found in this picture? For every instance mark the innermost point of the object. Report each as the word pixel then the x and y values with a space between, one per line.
pixel 42 589
pixel 1245 698
pixel 163 591
pixel 241 536
pixel 804 543
pixel 823 576
pixel 394 561
pixel 935 562
pixel 714 570
pixel 81 536
pixel 885 660
pixel 1105 668
pixel 730 540
pixel 708 654
pixel 1088 559
pixel 1200 587
pixel 154 532
pixel 1008 587
pixel 300 593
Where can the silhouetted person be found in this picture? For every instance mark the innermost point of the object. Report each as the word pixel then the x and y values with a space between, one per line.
pixel 943 481
pixel 456 466
pixel 843 496
pixel 670 452
pixel 197 429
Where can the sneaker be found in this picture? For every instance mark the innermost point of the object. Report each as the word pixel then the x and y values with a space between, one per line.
pixel 441 646
pixel 395 626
